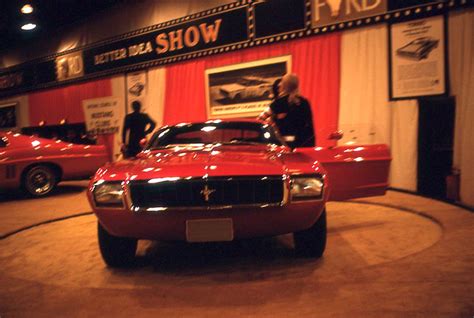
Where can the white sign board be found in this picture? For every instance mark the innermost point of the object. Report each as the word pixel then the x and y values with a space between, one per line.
pixel 417 58
pixel 102 115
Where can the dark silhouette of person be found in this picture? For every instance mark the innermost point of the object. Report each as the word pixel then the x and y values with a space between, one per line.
pixel 136 122
pixel 275 88
pixel 291 114
pixel 266 114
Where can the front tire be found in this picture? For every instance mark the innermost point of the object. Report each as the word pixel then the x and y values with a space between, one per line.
pixel 312 242
pixel 116 251
pixel 39 180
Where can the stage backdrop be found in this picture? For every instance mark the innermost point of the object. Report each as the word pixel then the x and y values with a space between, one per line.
pixel 315 61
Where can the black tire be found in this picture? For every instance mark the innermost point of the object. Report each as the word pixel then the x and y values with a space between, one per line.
pixel 312 242
pixel 116 251
pixel 39 181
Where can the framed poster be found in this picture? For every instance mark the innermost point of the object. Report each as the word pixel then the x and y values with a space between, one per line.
pixel 8 116
pixel 243 90
pixel 137 87
pixel 417 58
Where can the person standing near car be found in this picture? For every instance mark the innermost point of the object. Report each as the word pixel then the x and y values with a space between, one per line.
pixel 291 114
pixel 136 123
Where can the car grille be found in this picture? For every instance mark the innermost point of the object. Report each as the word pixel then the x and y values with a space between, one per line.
pixel 222 191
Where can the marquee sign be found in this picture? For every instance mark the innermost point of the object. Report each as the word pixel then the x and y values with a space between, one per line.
pixel 239 25
pixel 193 35
pixel 326 12
pixel 69 66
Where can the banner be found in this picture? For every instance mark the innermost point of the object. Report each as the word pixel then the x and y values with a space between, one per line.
pixel 102 115
pixel 194 35
pixel 417 55
pixel 229 27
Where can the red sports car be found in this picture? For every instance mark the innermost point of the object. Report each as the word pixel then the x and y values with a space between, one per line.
pixel 227 180
pixel 37 165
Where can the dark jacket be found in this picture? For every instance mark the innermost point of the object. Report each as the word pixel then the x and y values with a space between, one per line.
pixel 136 122
pixel 294 119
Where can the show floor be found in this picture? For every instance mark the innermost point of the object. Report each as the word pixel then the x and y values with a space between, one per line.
pixel 393 256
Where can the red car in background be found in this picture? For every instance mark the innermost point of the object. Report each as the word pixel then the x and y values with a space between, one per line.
pixel 226 180
pixel 37 165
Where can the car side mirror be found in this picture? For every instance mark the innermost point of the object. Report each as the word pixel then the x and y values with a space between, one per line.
pixel 337 135
pixel 143 142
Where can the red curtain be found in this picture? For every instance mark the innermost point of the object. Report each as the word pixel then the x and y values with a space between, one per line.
pixel 65 102
pixel 315 60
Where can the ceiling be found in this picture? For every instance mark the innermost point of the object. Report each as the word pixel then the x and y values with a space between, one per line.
pixel 48 15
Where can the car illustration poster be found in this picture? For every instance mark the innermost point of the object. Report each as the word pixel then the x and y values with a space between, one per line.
pixel 136 88
pixel 417 54
pixel 243 90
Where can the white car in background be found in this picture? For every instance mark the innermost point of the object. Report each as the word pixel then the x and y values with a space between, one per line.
pixel 247 87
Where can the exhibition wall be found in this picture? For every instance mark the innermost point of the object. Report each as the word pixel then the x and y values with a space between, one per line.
pixel 345 75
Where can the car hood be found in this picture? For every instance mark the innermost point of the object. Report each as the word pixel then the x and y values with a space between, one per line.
pixel 208 161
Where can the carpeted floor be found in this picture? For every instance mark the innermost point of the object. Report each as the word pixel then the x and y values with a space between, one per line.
pixel 393 256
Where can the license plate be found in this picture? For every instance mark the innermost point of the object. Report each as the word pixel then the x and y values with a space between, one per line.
pixel 209 230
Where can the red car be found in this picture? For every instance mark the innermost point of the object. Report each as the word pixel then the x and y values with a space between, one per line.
pixel 37 165
pixel 227 180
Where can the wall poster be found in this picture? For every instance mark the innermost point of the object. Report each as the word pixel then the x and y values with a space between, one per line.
pixel 417 58
pixel 243 90
pixel 137 87
pixel 8 116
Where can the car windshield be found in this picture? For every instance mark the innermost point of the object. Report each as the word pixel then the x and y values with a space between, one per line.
pixel 215 132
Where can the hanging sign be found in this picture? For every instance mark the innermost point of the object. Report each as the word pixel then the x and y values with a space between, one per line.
pixel 417 58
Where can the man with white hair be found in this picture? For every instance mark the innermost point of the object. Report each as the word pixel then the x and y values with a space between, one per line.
pixel 291 114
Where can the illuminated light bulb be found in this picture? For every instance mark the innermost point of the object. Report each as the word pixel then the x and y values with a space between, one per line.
pixel 26 9
pixel 28 26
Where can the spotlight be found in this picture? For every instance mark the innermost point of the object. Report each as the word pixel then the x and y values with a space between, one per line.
pixel 28 26
pixel 27 9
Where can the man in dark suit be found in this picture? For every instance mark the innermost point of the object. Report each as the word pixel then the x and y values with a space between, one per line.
pixel 136 123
